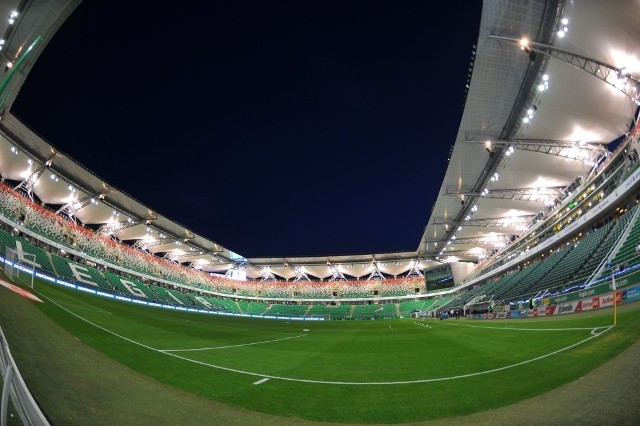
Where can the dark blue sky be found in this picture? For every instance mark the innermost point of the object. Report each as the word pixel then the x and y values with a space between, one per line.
pixel 273 128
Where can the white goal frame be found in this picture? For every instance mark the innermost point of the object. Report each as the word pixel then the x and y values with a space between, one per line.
pixel 19 266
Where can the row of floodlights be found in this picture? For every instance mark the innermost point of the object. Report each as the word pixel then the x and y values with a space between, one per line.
pixel 542 86
pixel 564 28
pixel 531 112
pixel 12 19
pixel 562 31
pixel 494 178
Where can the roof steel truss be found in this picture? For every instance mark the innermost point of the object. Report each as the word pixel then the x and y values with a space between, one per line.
pixel 616 77
pixel 518 194
pixel 492 222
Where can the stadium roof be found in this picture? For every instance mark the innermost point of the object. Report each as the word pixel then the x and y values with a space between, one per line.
pixel 533 122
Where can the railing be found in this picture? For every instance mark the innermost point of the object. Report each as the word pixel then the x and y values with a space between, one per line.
pixel 614 250
pixel 14 386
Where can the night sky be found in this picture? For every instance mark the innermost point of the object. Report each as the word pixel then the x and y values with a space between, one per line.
pixel 273 128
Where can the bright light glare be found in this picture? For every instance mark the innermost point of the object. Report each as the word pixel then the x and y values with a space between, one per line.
pixel 627 63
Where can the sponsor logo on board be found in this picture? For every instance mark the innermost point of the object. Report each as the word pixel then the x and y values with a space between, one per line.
pixel 565 309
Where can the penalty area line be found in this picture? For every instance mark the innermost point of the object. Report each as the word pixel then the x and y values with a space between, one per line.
pixel 231 346
pixel 261 381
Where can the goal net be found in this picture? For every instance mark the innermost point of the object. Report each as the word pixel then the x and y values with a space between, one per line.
pixel 19 267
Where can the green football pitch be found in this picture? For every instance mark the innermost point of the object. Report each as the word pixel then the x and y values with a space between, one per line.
pixel 385 371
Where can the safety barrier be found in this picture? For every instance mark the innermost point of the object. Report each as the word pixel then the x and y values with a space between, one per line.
pixel 14 386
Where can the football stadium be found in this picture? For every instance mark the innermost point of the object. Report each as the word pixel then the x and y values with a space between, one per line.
pixel 517 306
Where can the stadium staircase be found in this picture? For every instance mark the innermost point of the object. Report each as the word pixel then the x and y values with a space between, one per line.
pixel 607 246
pixel 624 253
pixel 53 267
pixel 333 311
pixel 306 313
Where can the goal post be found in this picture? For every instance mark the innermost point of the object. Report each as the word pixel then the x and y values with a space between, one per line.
pixel 19 267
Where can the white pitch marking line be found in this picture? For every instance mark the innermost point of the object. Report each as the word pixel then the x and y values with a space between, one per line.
pixel 231 346
pixel 93 309
pixel 328 382
pixel 524 329
pixel 261 381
